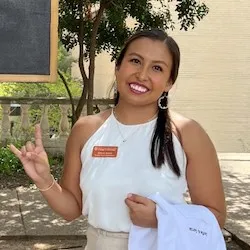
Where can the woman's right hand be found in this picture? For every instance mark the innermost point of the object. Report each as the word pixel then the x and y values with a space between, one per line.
pixel 35 160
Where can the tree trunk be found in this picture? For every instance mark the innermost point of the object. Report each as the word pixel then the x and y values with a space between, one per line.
pixel 88 82
pixel 73 117
pixel 96 25
pixel 85 79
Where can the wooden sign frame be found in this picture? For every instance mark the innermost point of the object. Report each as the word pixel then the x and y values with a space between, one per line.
pixel 52 77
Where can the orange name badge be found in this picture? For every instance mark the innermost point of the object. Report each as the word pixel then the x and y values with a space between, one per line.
pixel 104 151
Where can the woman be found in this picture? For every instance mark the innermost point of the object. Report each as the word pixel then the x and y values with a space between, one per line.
pixel 114 160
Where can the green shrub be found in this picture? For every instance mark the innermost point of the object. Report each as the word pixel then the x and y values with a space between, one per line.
pixel 55 160
pixel 9 163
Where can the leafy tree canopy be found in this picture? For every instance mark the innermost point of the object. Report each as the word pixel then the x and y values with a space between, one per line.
pixel 113 29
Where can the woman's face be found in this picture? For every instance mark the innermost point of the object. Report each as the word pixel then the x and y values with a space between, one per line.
pixel 144 73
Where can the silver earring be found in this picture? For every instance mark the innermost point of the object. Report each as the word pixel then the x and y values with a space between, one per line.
pixel 163 99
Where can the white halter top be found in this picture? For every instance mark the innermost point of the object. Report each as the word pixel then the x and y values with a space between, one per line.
pixel 106 181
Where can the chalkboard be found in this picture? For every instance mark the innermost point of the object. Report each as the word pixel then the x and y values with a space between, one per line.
pixel 28 40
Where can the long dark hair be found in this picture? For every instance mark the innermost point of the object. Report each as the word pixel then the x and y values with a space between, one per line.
pixel 162 147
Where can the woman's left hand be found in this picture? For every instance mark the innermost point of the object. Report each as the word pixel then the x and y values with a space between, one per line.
pixel 142 211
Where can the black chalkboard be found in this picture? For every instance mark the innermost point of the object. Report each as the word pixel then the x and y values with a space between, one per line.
pixel 28 40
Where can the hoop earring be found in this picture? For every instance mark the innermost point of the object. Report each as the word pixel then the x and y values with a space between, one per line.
pixel 163 99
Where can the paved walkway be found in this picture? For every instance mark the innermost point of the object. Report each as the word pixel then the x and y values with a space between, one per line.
pixel 25 215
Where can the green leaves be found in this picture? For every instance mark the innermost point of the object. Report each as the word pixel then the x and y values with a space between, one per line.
pixel 9 163
pixel 114 28
pixel 189 11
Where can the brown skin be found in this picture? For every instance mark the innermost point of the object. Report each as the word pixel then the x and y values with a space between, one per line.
pixel 149 63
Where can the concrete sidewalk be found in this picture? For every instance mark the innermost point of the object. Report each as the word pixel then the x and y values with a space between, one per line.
pixel 25 215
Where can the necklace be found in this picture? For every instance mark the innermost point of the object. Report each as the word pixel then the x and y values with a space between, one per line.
pixel 119 129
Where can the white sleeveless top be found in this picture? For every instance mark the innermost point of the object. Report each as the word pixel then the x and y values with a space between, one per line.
pixel 106 181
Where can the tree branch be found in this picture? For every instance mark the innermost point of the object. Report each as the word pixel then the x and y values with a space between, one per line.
pixel 73 119
pixel 83 97
pixel 80 40
pixel 96 24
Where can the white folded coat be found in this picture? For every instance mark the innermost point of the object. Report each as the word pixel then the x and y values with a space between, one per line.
pixel 180 227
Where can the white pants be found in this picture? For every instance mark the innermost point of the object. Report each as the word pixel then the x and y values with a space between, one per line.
pixel 98 239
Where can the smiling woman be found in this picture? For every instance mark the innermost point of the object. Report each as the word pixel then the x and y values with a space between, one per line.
pixel 117 159
pixel 144 72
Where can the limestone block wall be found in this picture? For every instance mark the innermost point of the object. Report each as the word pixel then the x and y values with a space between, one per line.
pixel 214 82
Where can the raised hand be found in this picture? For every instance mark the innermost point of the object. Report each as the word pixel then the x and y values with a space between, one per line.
pixel 35 160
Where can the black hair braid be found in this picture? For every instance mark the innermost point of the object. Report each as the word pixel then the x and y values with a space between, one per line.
pixel 162 147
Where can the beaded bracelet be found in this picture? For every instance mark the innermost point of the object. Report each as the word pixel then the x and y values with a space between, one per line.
pixel 50 186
